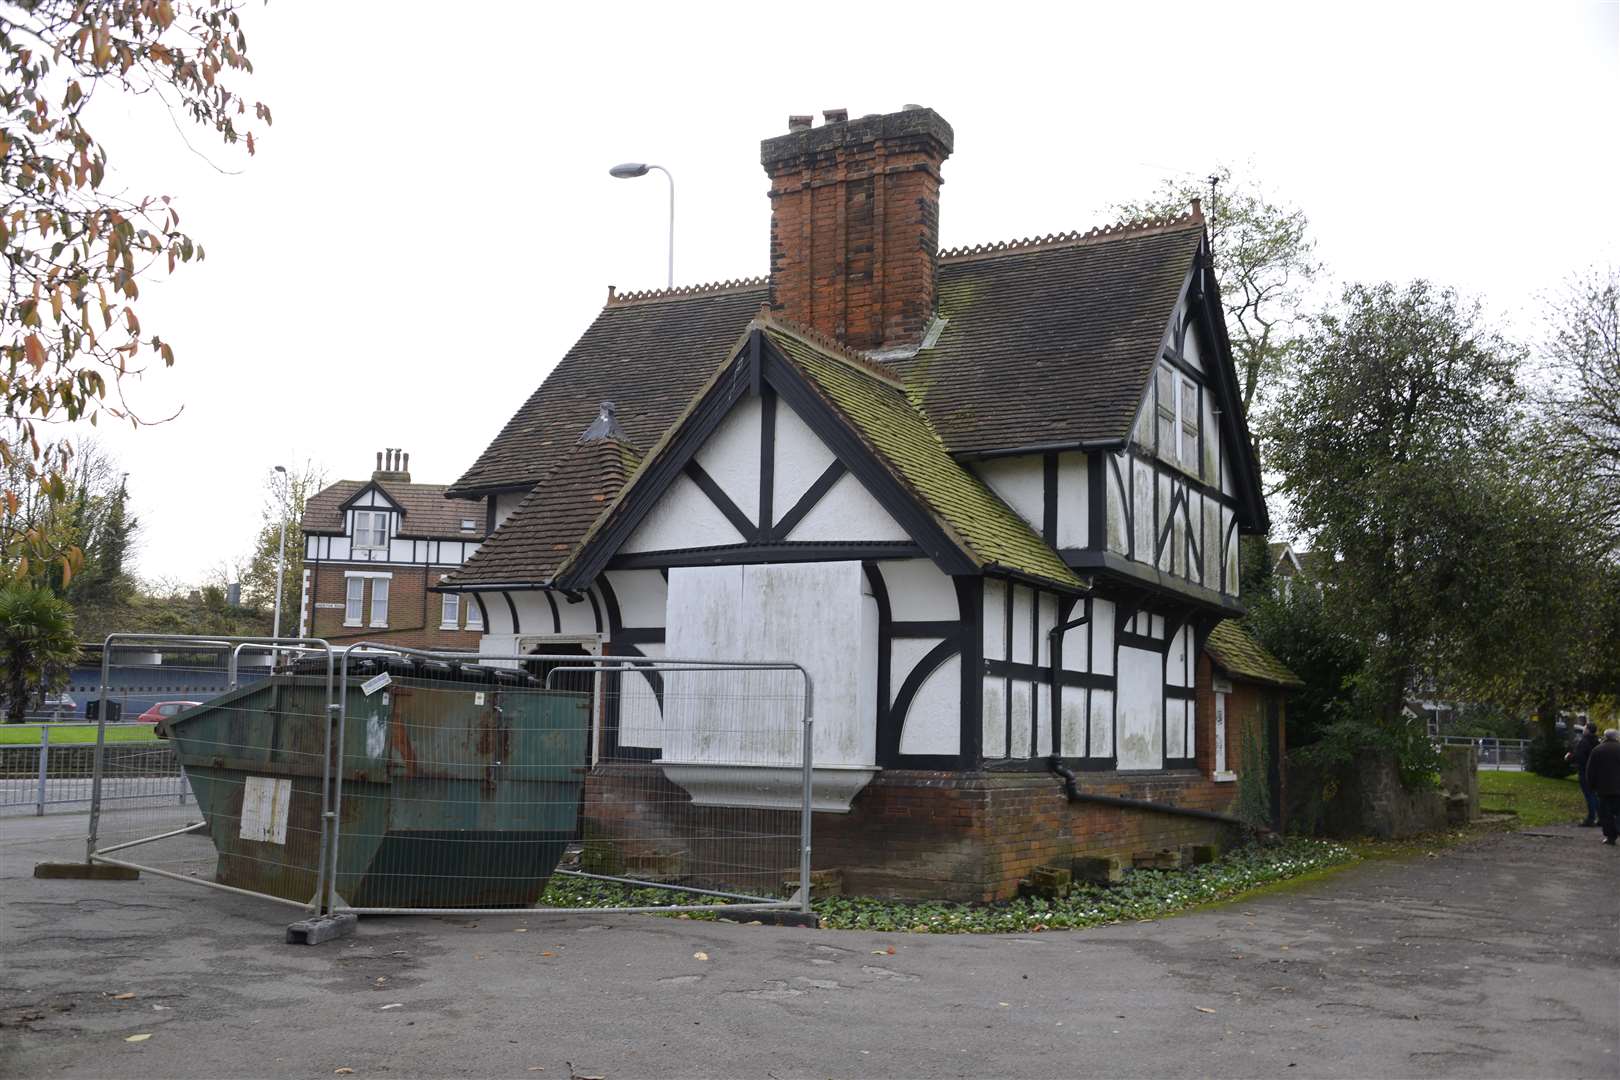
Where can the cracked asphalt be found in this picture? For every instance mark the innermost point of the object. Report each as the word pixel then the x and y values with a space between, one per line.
pixel 1496 958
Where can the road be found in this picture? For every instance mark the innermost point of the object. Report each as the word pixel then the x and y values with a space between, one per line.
pixel 1496 958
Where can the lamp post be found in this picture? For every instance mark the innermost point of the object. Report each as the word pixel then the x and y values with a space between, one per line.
pixel 281 554
pixel 632 169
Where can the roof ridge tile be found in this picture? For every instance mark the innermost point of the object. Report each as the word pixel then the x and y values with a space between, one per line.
pixel 835 349
pixel 1096 235
pixel 680 292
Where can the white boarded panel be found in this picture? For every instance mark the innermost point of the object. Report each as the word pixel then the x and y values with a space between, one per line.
pixel 800 455
pixel 1142 480
pixel 1102 636
pixel 1175 728
pixel 1141 704
pixel 904 656
pixel 1212 544
pixel 995 619
pixel 1166 559
pixel 1020 483
pixel 995 717
pixel 1073 743
pixel 1044 623
pixel 1043 719
pixel 1022 702
pixel 933 724
pixel 731 456
pixel 816 613
pixel 1102 723
pixel 1074 502
pixel 641 595
pixel 683 517
pixel 848 512
pixel 1022 627
pixel 919 591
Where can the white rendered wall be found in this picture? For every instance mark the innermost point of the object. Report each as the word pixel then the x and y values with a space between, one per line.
pixel 683 517
pixel 730 455
pixel 919 591
pixel 641 595
pixel 1020 481
pixel 933 723
pixel 1074 502
pixel 800 457
pixel 848 512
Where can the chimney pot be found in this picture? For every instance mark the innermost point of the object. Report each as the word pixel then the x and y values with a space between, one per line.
pixel 1197 209
pixel 835 116
pixel 800 123
pixel 379 461
pixel 406 463
pixel 912 108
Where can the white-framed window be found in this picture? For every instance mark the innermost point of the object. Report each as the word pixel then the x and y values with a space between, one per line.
pixel 449 610
pixel 1223 771
pixel 1178 414
pixel 371 528
pixel 469 524
pixel 475 614
pixel 379 601
pixel 354 601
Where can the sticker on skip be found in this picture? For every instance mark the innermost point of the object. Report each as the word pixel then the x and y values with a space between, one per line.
pixel 478 699
pixel 265 802
pixel 375 683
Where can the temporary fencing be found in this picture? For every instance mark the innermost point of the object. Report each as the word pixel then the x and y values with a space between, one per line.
pixel 375 779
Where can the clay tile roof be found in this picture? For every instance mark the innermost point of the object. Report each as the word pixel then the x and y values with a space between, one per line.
pixel 552 518
pixel 649 353
pixel 1232 649
pixel 1051 341
pixel 429 515
pixel 900 437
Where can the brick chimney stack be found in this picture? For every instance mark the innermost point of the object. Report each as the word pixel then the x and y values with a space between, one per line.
pixel 855 223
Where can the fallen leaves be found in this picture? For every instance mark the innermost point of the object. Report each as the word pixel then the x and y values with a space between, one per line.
pixel 700 956
pixel 344 1071
pixel 1203 1009
pixel 521 930
pixel 123 997
pixel 393 1005
pixel 884 952
pixel 138 1038
pixel 548 952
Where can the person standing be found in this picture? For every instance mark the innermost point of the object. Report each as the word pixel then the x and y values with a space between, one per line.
pixel 1577 757
pixel 1603 774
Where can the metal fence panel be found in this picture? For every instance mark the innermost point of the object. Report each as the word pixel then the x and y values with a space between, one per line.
pixel 466 786
pixel 250 813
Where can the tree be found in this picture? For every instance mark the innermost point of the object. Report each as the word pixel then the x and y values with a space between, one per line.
pixel 1389 435
pixel 259 578
pixel 88 513
pixel 1583 345
pixel 1264 260
pixel 75 245
pixel 37 646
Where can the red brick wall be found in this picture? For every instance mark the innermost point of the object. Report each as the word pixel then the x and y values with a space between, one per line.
pixel 413 612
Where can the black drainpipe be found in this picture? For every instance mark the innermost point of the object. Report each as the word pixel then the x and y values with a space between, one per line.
pixel 1071 787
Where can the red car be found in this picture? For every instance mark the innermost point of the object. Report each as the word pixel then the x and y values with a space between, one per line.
pixel 163 710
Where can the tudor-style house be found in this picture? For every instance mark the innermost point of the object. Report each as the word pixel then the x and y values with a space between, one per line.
pixel 373 551
pixel 990 497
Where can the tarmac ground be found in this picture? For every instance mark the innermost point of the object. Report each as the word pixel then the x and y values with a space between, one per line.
pixel 1498 957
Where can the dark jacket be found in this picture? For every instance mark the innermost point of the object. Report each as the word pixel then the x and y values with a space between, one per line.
pixel 1583 750
pixel 1603 769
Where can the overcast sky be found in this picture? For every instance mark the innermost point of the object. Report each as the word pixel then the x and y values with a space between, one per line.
pixel 430 224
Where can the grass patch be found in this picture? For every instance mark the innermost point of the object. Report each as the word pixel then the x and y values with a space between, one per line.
pixel 1538 800
pixel 65 734
pixel 1144 894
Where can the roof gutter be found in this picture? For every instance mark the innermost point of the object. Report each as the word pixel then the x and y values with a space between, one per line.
pixel 494 586
pixel 1041 448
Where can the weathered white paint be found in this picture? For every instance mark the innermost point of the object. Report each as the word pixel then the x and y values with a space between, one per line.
pixel 641 722
pixel 994 713
pixel 848 512
pixel 1141 704
pixel 918 591
pixel 1043 719
pixel 933 723
pixel 1175 728
pixel 816 614
pixel 1021 720
pixel 1102 636
pixel 1142 484
pixel 730 455
pixel 995 619
pixel 505 503
pixel 683 517
pixel 576 613
pixel 1102 723
pixel 1073 743
pixel 1074 502
pixel 800 457
pixel 641 595
pixel 1223 772
pixel 1022 645
pixel 1020 483
pixel 1116 484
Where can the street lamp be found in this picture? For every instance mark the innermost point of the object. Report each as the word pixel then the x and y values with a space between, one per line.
pixel 281 554
pixel 632 169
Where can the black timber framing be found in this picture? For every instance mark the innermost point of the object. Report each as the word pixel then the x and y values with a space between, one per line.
pixel 767 451
pixel 812 495
pixel 753 554
pixel 717 495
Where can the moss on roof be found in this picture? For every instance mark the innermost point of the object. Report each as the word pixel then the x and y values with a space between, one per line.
pixel 894 428
pixel 1231 647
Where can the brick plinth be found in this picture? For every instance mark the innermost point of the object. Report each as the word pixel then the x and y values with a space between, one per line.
pixel 973 836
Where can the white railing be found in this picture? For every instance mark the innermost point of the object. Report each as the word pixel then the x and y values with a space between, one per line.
pixel 1493 753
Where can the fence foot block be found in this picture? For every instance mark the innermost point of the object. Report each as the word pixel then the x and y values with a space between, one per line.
pixel 85 871
pixel 321 928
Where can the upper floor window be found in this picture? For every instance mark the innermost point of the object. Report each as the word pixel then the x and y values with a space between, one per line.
pixel 1177 412
pixel 371 528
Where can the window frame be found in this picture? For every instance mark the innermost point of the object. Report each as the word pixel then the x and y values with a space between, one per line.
pixel 354 600
pixel 363 530
pixel 474 616
pixel 449 611
pixel 379 588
